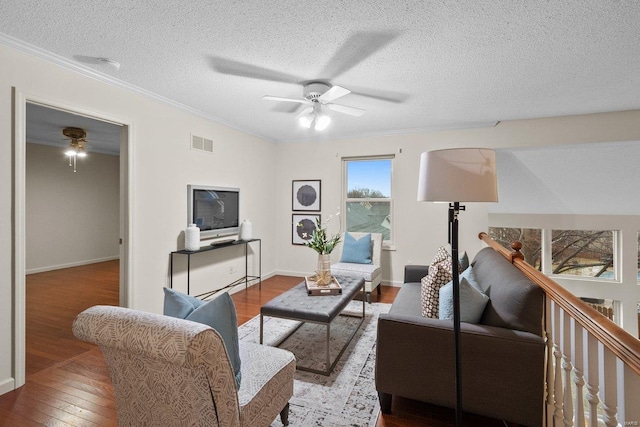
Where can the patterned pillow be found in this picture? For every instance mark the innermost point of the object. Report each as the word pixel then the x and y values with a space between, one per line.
pixel 439 275
pixel 441 255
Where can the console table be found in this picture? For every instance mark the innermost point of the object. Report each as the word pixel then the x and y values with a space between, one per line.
pixel 209 248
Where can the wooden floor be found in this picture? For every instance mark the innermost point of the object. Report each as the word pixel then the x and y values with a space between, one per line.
pixel 68 382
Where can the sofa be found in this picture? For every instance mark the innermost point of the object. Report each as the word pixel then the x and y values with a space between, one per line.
pixel 502 357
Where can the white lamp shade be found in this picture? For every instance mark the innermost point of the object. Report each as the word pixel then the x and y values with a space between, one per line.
pixel 458 175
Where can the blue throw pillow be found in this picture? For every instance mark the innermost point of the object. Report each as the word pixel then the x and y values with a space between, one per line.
pixel 356 251
pixel 219 313
pixel 472 302
pixel 470 275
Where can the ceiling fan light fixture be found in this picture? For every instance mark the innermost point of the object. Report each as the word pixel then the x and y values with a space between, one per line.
pixel 306 120
pixel 322 121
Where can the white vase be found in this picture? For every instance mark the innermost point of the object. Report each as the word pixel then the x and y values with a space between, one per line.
pixel 246 230
pixel 192 238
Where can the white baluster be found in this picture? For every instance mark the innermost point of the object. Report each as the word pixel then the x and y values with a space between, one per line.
pixel 558 418
pixel 577 355
pixel 567 403
pixel 628 395
pixel 590 355
pixel 550 377
pixel 608 382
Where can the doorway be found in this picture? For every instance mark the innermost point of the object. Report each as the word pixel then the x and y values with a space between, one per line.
pixel 67 256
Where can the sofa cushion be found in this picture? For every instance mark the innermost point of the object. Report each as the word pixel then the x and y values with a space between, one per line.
pixel 472 302
pixel 357 251
pixel 219 313
pixel 368 272
pixel 515 302
pixel 439 274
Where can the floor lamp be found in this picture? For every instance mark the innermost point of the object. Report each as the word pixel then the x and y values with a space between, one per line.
pixel 457 175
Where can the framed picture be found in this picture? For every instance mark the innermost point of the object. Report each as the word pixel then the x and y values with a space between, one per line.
pixel 306 195
pixel 302 227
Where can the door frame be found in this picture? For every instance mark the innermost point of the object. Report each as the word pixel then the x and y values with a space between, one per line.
pixel 21 99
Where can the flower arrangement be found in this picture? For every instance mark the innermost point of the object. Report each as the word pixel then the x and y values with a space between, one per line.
pixel 320 242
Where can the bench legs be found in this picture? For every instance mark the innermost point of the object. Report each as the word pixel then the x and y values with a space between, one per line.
pixel 284 415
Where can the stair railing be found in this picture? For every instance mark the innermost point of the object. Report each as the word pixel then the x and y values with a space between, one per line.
pixel 592 375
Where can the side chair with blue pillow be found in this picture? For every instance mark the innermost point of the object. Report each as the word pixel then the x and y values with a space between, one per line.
pixel 359 255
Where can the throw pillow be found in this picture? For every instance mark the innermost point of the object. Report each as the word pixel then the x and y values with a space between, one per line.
pixel 356 251
pixel 219 313
pixel 439 275
pixel 441 255
pixel 470 275
pixel 472 302
pixel 463 262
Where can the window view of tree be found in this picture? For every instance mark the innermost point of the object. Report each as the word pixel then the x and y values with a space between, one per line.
pixel 368 196
pixel 531 239
pixel 587 253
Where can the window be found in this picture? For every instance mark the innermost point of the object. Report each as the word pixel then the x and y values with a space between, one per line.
pixel 639 278
pixel 586 253
pixel 367 194
pixel 531 239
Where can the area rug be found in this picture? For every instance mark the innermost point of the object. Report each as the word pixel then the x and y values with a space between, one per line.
pixel 348 396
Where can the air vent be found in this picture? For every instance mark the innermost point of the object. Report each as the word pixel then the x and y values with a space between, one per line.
pixel 201 143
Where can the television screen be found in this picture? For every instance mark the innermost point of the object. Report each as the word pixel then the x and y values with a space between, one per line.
pixel 214 209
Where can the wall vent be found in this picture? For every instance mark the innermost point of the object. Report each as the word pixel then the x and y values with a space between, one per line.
pixel 201 143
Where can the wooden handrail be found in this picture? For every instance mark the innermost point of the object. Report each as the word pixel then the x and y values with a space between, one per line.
pixel 621 343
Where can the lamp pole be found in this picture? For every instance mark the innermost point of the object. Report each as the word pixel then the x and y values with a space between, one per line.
pixel 454 211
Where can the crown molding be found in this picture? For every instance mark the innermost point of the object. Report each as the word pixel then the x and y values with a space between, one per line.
pixel 74 66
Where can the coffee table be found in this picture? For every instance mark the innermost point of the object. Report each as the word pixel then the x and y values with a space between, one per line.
pixel 296 304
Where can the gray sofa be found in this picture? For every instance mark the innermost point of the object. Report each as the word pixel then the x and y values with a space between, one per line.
pixel 502 357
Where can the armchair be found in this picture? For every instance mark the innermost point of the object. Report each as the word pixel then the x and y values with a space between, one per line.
pixel 173 372
pixel 371 273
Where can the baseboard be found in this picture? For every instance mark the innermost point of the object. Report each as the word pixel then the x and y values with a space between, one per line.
pixel 69 265
pixel 7 385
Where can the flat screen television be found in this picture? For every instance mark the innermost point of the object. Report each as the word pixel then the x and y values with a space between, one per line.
pixel 215 210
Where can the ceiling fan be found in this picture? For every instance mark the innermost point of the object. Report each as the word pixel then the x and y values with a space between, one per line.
pixel 77 146
pixel 319 96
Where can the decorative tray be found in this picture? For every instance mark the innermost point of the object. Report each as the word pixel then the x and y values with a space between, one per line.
pixel 313 288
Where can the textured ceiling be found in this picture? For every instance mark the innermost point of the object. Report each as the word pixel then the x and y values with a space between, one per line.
pixel 412 65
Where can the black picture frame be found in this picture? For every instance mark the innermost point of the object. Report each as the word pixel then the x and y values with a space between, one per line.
pixel 306 195
pixel 302 226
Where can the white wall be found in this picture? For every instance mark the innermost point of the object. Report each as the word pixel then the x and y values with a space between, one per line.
pixel 419 228
pixel 71 217
pixel 163 165
pixel 570 179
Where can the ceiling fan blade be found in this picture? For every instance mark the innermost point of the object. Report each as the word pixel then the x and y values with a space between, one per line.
pixel 352 111
pixel 357 48
pixel 277 98
pixel 304 112
pixel 334 93
pixel 242 69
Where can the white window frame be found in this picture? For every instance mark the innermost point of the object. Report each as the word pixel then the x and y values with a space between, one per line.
pixel 386 244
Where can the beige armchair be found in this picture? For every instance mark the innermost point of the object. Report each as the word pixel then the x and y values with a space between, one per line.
pixel 371 273
pixel 174 372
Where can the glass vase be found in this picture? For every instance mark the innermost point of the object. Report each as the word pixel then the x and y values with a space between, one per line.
pixel 323 272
